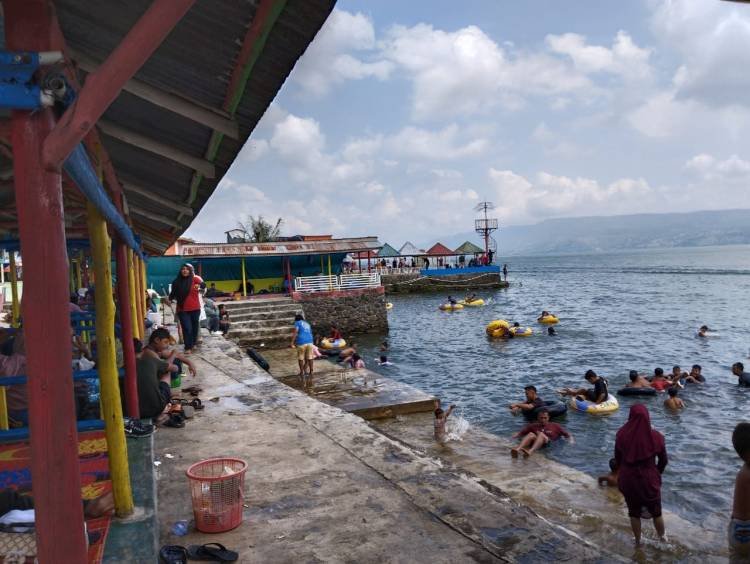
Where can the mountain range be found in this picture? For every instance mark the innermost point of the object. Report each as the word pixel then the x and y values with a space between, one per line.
pixel 614 233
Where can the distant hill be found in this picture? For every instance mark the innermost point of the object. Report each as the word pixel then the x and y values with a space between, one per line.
pixel 622 232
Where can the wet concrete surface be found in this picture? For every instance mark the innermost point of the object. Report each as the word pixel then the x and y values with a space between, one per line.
pixel 324 486
pixel 361 392
pixel 558 493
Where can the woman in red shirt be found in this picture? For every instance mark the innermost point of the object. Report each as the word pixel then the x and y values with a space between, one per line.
pixel 185 291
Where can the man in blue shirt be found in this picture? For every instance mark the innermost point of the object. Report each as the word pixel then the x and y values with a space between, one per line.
pixel 302 340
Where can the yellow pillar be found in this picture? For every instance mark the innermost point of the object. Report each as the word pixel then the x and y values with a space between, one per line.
pixel 4 426
pixel 16 311
pixel 139 291
pixel 111 406
pixel 79 266
pixel 244 282
pixel 137 324
pixel 143 287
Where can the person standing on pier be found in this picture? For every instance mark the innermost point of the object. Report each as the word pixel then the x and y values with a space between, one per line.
pixel 641 456
pixel 185 291
pixel 505 272
pixel 302 340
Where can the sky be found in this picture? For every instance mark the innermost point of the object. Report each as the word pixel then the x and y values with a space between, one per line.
pixel 401 116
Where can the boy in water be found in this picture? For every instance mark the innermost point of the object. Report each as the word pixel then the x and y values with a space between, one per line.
pixel 597 395
pixel 673 402
pixel 659 382
pixel 739 526
pixel 695 376
pixel 538 435
pixel 637 381
pixel 441 418
pixel 611 478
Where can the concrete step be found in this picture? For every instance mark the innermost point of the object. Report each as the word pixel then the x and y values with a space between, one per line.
pixel 264 342
pixel 264 314
pixel 242 332
pixel 263 324
pixel 258 304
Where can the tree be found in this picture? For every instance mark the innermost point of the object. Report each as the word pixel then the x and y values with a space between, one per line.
pixel 259 230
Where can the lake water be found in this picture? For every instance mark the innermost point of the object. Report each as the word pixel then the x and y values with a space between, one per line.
pixel 618 312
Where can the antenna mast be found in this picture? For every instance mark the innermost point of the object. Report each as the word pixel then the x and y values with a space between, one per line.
pixel 485 226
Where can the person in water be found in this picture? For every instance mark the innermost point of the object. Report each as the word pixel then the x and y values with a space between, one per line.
pixel 673 402
pixel 738 369
pixel 703 331
pixel 641 455
pixel 611 478
pixel 695 376
pixel 677 375
pixel 739 526
pixel 383 361
pixel 384 346
pixel 335 334
pixel 551 331
pixel 441 418
pixel 538 435
pixel 470 298
pixel 451 300
pixel 544 314
pixel 533 401
pixel 599 392
pixel 637 381
pixel 659 382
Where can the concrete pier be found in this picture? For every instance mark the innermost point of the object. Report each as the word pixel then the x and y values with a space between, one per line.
pixel 361 392
pixel 324 486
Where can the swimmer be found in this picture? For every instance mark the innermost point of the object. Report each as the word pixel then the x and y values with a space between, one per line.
pixel 673 402
pixel 538 435
pixel 544 314
pixel 516 324
pixel 383 361
pixel 597 395
pixel 677 375
pixel 738 369
pixel 551 331
pixel 659 382
pixel 384 346
pixel 702 332
pixel 532 402
pixel 451 300
pixel 638 381
pixel 441 417
pixel 695 376
pixel 611 478
pixel 470 298
pixel 739 526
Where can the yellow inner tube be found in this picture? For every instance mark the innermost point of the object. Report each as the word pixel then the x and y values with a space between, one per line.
pixel 497 328
pixel 474 303
pixel 521 332
pixel 326 343
pixel 548 320
pixel 451 307
pixel 607 406
pixel 388 305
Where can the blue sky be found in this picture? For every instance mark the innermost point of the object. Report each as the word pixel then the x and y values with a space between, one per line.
pixel 401 116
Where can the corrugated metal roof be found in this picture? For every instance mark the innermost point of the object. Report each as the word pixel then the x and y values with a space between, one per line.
pixel 280 248
pixel 195 62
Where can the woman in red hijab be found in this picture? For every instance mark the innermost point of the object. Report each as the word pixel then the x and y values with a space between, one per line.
pixel 642 457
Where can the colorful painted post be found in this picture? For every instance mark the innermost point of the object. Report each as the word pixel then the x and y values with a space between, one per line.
pixel 15 303
pixel 138 294
pixel 60 533
pixel 79 270
pixel 106 363
pixel 244 280
pixel 144 288
pixel 133 293
pixel 126 328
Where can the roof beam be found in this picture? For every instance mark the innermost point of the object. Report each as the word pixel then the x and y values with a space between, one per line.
pixel 135 210
pixel 147 144
pixel 103 86
pixel 146 193
pixel 181 105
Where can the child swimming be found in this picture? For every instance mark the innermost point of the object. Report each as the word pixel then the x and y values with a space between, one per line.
pixel 673 402
pixel 441 417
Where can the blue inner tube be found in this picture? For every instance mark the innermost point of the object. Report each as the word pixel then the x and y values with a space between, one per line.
pixel 627 391
pixel 555 408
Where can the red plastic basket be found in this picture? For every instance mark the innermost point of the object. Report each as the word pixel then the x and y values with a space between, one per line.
pixel 217 486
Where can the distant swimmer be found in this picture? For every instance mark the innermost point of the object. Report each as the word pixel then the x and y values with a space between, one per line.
pixel 695 376
pixel 738 369
pixel 673 402
pixel 597 395
pixel 533 401
pixel 538 435
pixel 452 300
pixel 470 298
pixel 702 332
pixel 441 418
pixel 384 346
pixel 383 361
pixel 551 331
pixel 611 478
pixel 739 526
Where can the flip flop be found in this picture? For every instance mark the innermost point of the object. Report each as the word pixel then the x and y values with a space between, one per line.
pixel 197 404
pixel 173 554
pixel 211 551
pixel 176 421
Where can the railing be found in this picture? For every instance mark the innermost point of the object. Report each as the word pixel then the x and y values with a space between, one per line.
pixel 333 283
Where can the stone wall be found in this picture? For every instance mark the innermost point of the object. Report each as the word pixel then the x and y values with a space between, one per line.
pixel 407 283
pixel 352 311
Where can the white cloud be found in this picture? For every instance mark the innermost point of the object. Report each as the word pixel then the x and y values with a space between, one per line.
pixel 329 59
pixel 624 58
pixel 709 168
pixel 712 39
pixel 254 149
pixel 447 143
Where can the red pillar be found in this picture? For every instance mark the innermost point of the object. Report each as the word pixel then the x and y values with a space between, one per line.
pixel 55 471
pixel 126 330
